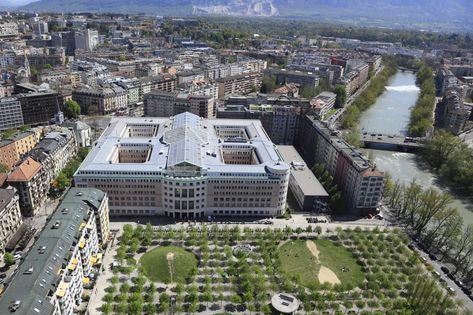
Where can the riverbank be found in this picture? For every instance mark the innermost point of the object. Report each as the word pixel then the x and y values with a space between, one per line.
pixel 422 115
pixel 366 99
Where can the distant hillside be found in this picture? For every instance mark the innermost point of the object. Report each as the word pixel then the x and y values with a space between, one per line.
pixel 402 13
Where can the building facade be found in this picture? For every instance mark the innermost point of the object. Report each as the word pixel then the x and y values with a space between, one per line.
pixel 10 216
pixel 8 153
pixel 40 107
pixel 31 182
pixel 187 167
pixel 240 84
pixel 360 182
pixel 10 113
pixel 104 100
pixel 50 279
pixel 165 104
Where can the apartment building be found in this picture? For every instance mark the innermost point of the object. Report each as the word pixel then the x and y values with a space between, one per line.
pixel 8 29
pixel 8 153
pixel 187 167
pixel 82 132
pixel 54 151
pixel 10 216
pixel 240 84
pixel 165 104
pixel 25 142
pixel 103 99
pixel 323 103
pixel 454 114
pixel 302 78
pixel 360 182
pixel 30 180
pixel 10 113
pixel 50 279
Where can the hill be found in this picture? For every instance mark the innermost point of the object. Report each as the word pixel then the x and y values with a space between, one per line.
pixel 430 14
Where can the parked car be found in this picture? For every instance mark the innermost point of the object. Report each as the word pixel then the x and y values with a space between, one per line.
pixel 450 290
pixel 433 257
pixel 466 291
pixel 445 269
pixel 411 246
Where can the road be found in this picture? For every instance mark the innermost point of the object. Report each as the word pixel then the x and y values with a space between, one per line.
pixel 334 118
pixel 468 303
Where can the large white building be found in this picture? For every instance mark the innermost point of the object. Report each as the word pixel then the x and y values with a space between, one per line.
pixel 187 167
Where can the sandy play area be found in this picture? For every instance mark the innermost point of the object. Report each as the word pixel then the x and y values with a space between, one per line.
pixel 325 274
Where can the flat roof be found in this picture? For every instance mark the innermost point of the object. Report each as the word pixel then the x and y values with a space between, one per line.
pixel 180 139
pixel 303 175
pixel 285 303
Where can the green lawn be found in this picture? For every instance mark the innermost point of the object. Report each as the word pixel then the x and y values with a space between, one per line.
pixel 296 259
pixel 156 266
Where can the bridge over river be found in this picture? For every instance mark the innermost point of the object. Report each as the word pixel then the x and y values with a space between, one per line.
pixel 390 142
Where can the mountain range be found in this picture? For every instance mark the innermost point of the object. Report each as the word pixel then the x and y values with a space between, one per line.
pixel 404 13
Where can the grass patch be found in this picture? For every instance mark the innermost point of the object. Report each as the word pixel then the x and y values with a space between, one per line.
pixel 156 266
pixel 296 260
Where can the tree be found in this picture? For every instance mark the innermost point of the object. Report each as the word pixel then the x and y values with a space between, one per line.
pixel 107 308
pixel 8 259
pixel 268 84
pixel 341 93
pixel 71 109
pixel 4 168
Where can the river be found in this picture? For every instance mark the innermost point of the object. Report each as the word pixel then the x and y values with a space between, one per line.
pixel 390 115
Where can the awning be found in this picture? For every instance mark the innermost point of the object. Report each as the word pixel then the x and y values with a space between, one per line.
pixel 81 244
pixel 99 256
pixel 81 226
pixel 73 264
pixel 85 280
pixel 60 292
pixel 90 226
pixel 93 260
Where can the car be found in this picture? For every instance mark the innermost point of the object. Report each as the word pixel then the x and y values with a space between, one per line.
pixel 3 275
pixel 17 257
pixel 445 270
pixel 437 274
pixel 459 283
pixel 423 259
pixel 433 257
pixel 411 246
pixel 450 275
pixel 443 282
pixel 471 297
pixel 466 290
pixel 450 290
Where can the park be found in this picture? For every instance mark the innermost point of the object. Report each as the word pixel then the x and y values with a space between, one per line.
pixel 232 270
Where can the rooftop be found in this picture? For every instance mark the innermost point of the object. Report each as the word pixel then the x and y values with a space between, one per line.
pixel 303 175
pixel 25 171
pixel 38 275
pixel 180 140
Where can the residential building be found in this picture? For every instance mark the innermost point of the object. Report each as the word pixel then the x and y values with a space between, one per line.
pixel 10 113
pixel 240 84
pixel 165 104
pixel 323 103
pixel 8 153
pixel 8 29
pixel 10 217
pixel 360 182
pixel 309 194
pixel 190 76
pixel 54 151
pixel 103 99
pixel 187 167
pixel 50 279
pixel 301 78
pixel 31 182
pixel 25 142
pixel 454 113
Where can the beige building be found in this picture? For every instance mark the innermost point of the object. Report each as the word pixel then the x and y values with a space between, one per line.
pixel 166 104
pixel 104 99
pixel 10 216
pixel 187 167
pixel 25 142
pixel 240 84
